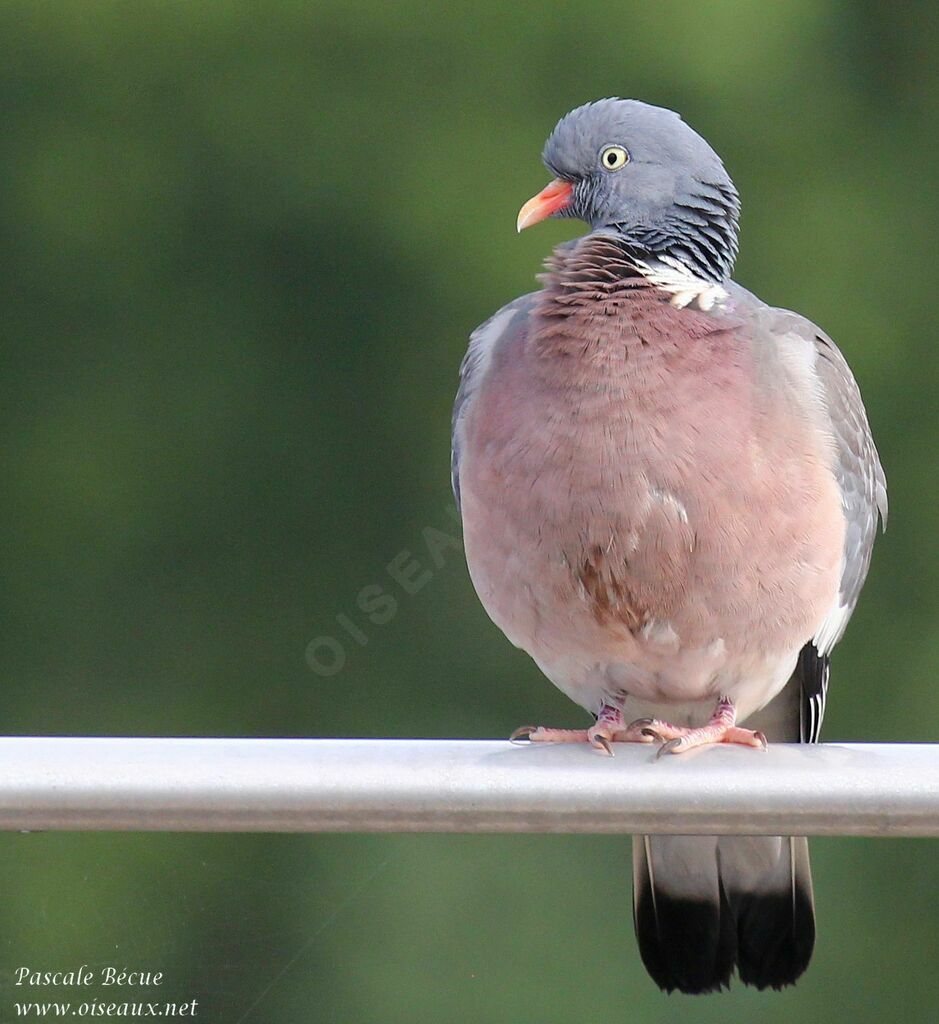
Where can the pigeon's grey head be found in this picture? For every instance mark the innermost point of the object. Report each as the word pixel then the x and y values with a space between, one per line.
pixel 639 171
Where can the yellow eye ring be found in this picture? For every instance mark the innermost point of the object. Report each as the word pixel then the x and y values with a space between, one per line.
pixel 612 158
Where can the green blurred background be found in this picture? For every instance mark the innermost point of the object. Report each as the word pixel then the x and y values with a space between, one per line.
pixel 243 245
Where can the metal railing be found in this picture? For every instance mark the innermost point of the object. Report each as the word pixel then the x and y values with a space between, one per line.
pixel 325 785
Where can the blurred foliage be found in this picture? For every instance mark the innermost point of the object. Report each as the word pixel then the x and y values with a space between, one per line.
pixel 244 244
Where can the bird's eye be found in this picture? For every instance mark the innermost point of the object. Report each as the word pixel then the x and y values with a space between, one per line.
pixel 614 157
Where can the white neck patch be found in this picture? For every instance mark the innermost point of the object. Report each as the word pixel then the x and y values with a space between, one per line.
pixel 673 276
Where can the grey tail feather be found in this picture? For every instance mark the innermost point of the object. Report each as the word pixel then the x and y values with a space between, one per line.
pixel 704 906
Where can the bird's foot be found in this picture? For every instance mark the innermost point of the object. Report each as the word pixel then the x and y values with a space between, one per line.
pixel 609 728
pixel 721 728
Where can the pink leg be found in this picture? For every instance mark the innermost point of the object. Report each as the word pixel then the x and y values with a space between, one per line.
pixel 721 728
pixel 609 726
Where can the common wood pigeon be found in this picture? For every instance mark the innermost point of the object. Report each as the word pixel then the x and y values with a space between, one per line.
pixel 669 495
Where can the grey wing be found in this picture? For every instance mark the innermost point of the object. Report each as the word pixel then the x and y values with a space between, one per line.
pixel 856 467
pixel 860 477
pixel 501 327
pixel 863 487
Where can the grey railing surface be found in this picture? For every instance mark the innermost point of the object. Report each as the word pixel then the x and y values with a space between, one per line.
pixel 350 785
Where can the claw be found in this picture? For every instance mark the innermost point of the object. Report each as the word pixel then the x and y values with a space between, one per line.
pixel 672 747
pixel 762 738
pixel 523 732
pixel 602 743
pixel 651 733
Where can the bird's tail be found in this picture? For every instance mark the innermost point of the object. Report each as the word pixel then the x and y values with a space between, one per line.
pixel 704 905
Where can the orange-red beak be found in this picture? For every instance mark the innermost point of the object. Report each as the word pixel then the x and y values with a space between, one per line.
pixel 553 197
